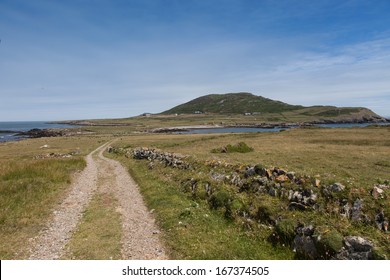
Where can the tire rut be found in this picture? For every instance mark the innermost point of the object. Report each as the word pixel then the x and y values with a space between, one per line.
pixel 140 235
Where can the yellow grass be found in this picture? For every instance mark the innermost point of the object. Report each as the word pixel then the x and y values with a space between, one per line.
pixel 31 188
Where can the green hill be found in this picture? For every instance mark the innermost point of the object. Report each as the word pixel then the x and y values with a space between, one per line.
pixel 240 109
pixel 232 103
pixel 271 110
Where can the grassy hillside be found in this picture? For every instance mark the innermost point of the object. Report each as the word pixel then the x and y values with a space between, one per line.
pixel 232 103
pixel 230 110
pixel 266 109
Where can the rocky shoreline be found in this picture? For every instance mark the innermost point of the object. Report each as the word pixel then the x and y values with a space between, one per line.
pixel 281 126
pixel 58 132
pixel 40 133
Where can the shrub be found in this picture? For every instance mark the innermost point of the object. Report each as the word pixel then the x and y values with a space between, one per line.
pixel 264 215
pixel 329 243
pixel 285 230
pixel 222 199
pixel 219 199
pixel 241 147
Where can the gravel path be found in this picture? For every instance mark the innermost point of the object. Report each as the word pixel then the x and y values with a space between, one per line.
pixel 140 234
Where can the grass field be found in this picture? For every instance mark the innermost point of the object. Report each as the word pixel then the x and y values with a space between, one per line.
pixel 30 188
pixel 193 225
pixel 98 236
pixel 145 123
pixel 357 157
pixel 192 231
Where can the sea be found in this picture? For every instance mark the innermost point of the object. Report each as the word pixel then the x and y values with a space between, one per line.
pixel 6 128
pixel 274 129
pixel 25 126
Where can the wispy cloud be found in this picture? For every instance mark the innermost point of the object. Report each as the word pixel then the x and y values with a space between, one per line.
pixel 107 60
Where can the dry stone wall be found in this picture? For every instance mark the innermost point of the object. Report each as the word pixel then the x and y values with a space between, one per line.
pixel 300 192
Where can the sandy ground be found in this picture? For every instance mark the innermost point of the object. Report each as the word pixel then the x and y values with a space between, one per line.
pixel 140 234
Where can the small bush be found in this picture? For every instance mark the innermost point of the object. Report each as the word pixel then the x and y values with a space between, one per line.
pixel 264 215
pixel 285 230
pixel 241 147
pixel 329 243
pixel 185 213
pixel 378 254
pixel 222 199
pixel 219 199
pixel 239 207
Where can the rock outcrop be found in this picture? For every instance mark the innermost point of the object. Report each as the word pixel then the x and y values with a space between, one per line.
pixel 39 133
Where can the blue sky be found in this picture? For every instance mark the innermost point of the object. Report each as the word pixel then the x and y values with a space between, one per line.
pixel 80 59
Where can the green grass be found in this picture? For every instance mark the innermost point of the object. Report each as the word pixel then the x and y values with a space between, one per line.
pixel 240 147
pixel 98 236
pixel 193 226
pixel 127 126
pixel 28 189
pixel 232 103
pixel 330 155
pixel 191 230
pixel 31 188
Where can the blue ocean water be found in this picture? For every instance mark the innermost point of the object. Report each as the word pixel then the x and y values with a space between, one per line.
pixel 341 125
pixel 275 129
pixel 229 130
pixel 24 126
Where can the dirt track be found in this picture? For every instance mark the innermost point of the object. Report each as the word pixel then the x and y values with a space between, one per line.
pixel 140 236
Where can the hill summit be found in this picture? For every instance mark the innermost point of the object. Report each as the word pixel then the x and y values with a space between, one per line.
pixel 245 103
pixel 232 103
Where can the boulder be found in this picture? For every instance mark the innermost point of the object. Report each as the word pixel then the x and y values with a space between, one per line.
pixel 309 197
pixel 169 159
pixel 381 221
pixel 337 187
pixel 260 170
pixel 304 246
pixel 281 178
pixel 305 197
pixel 209 190
pixel 217 177
pixel 303 243
pixel 250 171
pixel 268 173
pixel 356 248
pixel 377 193
pixel 383 186
pixel 291 175
pixel 263 181
pixel 357 210
pixel 303 230
pixel 296 206
pixel 385 225
pixel 358 244
pixel 279 171
pixel 273 191
pixel 345 209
